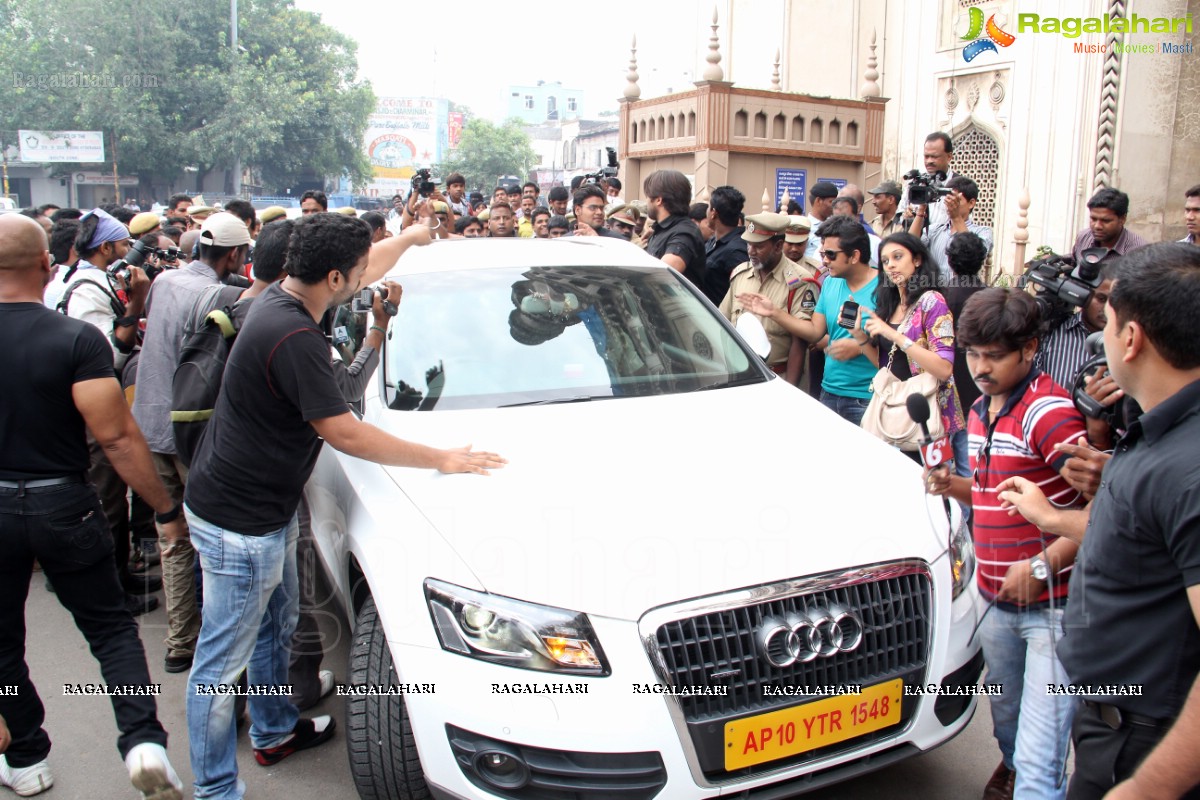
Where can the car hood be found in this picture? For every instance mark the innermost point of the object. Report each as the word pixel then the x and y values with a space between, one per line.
pixel 617 506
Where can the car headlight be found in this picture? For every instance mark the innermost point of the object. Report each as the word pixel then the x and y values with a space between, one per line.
pixel 512 632
pixel 962 558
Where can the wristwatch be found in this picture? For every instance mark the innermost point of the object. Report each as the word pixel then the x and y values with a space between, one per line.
pixel 1039 567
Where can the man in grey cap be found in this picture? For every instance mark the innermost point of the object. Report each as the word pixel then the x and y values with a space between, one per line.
pixel 224 242
pixel 788 285
pixel 889 220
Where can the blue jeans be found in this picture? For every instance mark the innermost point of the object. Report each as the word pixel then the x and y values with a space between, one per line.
pixel 251 601
pixel 1031 725
pixel 850 409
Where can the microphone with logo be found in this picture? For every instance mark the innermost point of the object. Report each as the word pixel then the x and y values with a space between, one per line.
pixel 935 453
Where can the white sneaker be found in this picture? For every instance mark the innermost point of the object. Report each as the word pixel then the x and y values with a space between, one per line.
pixel 26 781
pixel 151 774
pixel 326 678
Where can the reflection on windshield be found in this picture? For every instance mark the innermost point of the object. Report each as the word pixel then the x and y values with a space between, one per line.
pixel 488 338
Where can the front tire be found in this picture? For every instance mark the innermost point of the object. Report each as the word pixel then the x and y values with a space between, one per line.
pixel 379 737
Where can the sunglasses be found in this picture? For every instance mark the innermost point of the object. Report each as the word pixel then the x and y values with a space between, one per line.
pixel 831 255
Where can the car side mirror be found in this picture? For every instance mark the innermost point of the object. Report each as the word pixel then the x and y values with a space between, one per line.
pixel 754 334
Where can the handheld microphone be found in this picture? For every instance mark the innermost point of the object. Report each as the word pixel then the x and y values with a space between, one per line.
pixel 934 453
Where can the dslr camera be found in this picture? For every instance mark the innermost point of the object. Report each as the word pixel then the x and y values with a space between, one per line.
pixel 139 251
pixel 423 182
pixel 1061 285
pixel 609 171
pixel 924 188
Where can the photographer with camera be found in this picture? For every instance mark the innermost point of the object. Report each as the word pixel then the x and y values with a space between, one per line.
pixel 421 205
pixel 113 302
pixel 938 152
pixel 958 199
pixel 1064 349
pixel 1106 226
pixel 224 243
pixel 1133 614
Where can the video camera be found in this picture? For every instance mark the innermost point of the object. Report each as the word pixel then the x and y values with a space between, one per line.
pixel 1121 414
pixel 609 171
pixel 366 299
pixel 924 188
pixel 423 182
pixel 1061 285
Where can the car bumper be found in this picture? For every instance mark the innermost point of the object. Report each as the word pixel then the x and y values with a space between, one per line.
pixel 577 716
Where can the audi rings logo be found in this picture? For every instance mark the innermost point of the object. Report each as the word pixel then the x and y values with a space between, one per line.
pixel 803 637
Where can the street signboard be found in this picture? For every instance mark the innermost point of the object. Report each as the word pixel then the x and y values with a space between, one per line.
pixel 794 180
pixel 56 147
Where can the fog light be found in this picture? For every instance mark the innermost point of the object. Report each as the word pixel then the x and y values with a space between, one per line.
pixel 500 769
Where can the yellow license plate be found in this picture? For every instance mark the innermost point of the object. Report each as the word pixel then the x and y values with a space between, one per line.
pixel 789 731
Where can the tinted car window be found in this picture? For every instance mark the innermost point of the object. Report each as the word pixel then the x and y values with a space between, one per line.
pixel 499 337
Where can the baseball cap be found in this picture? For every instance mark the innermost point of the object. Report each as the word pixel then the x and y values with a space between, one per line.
pixel 224 230
pixel 888 187
pixel 760 227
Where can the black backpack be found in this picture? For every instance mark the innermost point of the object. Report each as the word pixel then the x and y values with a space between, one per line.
pixel 198 376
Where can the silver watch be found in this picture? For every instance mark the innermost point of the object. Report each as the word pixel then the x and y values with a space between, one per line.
pixel 1039 567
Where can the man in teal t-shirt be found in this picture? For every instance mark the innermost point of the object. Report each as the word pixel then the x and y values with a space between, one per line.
pixel 846 251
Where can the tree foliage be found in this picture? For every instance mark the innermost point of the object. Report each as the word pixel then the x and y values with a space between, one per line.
pixel 159 79
pixel 486 152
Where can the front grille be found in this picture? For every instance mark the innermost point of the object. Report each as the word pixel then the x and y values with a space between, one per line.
pixel 719 649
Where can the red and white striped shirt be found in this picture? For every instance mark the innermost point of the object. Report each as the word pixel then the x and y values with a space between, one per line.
pixel 1020 441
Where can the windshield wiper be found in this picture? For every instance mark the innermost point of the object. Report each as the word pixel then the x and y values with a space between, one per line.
pixel 743 381
pixel 579 398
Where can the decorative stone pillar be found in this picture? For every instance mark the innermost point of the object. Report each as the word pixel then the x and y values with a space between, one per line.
pixel 1021 237
pixel 713 71
pixel 870 84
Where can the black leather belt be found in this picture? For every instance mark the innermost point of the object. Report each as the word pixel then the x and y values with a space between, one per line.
pixel 1115 718
pixel 38 483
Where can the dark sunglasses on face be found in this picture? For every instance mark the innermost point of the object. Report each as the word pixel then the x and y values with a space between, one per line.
pixel 831 255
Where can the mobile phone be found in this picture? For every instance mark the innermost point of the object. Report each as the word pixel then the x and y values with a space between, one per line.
pixel 848 315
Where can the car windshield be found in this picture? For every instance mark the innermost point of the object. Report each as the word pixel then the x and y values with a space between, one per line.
pixel 510 336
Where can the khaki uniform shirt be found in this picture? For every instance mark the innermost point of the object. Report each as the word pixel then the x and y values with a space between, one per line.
pixel 800 280
pixel 886 228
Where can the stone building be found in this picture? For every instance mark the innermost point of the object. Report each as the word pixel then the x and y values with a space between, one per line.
pixel 1033 113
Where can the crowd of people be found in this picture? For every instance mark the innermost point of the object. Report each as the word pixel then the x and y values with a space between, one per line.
pixel 104 303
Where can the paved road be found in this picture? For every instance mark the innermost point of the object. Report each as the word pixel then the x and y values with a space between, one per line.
pixel 86 765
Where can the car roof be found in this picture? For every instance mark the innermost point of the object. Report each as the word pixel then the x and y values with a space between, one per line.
pixel 486 253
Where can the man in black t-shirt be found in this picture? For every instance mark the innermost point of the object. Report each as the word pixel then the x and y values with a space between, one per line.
pixel 676 240
pixel 64 384
pixel 278 399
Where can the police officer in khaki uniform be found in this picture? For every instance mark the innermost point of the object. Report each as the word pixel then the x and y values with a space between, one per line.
pixel 795 245
pixel 788 284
